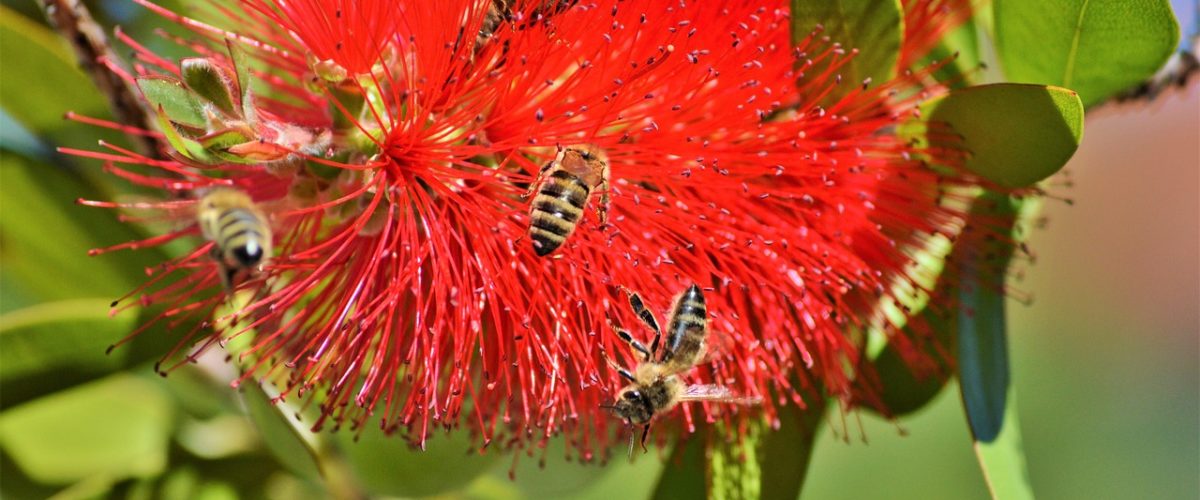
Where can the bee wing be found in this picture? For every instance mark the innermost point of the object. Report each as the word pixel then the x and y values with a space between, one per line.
pixel 717 394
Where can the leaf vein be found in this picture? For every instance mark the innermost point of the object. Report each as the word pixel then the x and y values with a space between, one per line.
pixel 1069 70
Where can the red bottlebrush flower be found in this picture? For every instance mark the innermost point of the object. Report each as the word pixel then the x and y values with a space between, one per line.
pixel 403 284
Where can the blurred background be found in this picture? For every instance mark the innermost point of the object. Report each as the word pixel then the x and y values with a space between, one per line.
pixel 1106 356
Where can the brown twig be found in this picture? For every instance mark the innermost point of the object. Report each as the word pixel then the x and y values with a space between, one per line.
pixel 75 24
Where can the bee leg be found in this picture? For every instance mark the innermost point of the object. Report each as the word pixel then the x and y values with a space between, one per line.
pixel 605 199
pixel 537 181
pixel 628 338
pixel 626 374
pixel 227 274
pixel 645 436
pixel 225 271
pixel 647 317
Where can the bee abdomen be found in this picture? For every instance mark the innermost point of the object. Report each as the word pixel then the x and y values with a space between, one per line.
pixel 241 237
pixel 556 209
pixel 688 327
pixel 691 313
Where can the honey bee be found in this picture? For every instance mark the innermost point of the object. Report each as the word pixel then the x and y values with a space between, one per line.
pixel 238 229
pixel 655 386
pixel 564 186
pixel 519 14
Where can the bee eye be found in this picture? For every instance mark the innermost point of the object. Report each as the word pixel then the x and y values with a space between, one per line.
pixel 632 395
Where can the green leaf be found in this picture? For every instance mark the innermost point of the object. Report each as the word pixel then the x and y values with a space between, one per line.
pixel 964 69
pixel 180 105
pixel 222 139
pixel 903 387
pixel 16 138
pixel 905 384
pixel 1003 459
pixel 982 347
pixel 874 27
pixel 190 149
pixel 241 67
pixel 681 477
pixel 54 265
pixel 118 427
pixel 903 392
pixel 1015 134
pixel 64 364
pixel 1097 47
pixel 786 452
pixel 37 68
pixel 983 368
pixel 983 359
pixel 552 471
pixel 71 333
pixel 294 446
pixel 387 465
pixel 209 82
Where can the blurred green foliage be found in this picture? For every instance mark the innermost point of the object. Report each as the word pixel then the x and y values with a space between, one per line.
pixel 77 423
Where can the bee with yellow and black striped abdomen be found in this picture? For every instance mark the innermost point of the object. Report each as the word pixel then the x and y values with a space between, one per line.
pixel 239 231
pixel 564 186
pixel 655 385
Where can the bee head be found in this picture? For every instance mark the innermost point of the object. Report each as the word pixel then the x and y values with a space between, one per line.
pixel 631 405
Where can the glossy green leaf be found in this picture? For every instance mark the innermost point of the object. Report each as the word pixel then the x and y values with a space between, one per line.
pixel 71 333
pixel 1015 134
pixel 983 367
pixel 38 67
pixel 128 424
pixel 222 139
pixel 215 490
pixel 960 48
pixel 241 67
pixel 189 148
pixel 1003 458
pixel 186 483
pixel 903 387
pixel 87 489
pixel 16 138
pixel 387 465
pixel 209 82
pixel 64 366
pixel 179 483
pixel 552 471
pixel 200 395
pixel 180 105
pixel 902 391
pixel 983 359
pixel 681 477
pixel 904 384
pixel 874 27
pixel 1096 47
pixel 293 445
pixel 54 265
pixel 786 452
